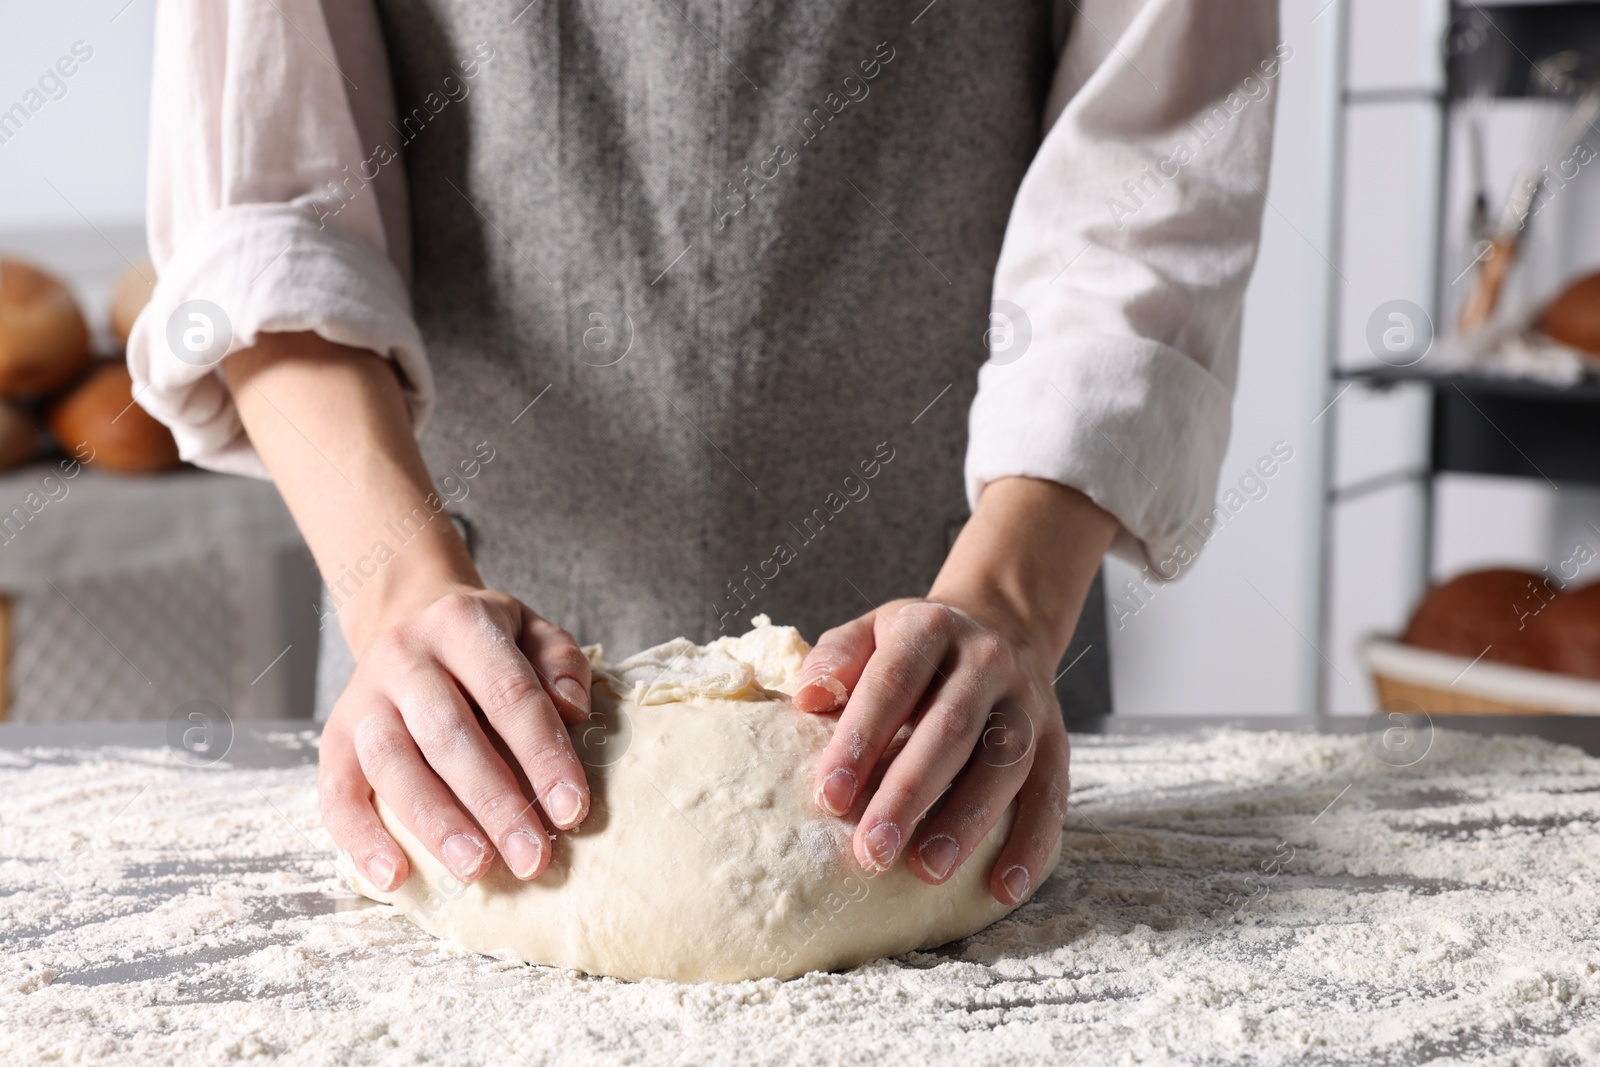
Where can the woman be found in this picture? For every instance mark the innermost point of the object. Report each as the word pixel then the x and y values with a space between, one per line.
pixel 688 297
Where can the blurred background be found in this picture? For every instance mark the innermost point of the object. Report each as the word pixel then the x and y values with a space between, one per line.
pixel 1403 450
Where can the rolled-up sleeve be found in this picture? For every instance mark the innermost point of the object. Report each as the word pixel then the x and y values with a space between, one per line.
pixel 1121 279
pixel 275 205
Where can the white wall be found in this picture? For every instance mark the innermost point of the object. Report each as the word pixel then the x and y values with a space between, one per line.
pixel 90 143
pixel 72 177
pixel 1232 635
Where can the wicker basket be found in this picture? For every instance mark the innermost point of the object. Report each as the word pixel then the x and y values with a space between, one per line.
pixel 1416 679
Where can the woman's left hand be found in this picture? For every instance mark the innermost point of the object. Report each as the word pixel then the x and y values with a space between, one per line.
pixel 985 726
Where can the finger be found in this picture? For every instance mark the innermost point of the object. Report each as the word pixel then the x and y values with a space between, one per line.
pixel 560 664
pixel 450 739
pixel 503 683
pixel 907 654
pixel 1041 811
pixel 345 798
pixel 977 800
pixel 941 743
pixel 834 666
pixel 394 765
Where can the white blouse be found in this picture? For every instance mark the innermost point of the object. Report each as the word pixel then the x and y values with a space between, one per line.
pixel 1117 295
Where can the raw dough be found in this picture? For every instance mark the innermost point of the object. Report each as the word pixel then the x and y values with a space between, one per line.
pixel 703 858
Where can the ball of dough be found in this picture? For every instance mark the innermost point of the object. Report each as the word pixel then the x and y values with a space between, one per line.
pixel 99 423
pixel 704 858
pixel 128 298
pixel 1488 609
pixel 44 341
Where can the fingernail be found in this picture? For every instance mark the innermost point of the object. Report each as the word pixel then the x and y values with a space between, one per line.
pixel 565 805
pixel 522 852
pixel 883 842
pixel 463 855
pixel 938 854
pixel 837 792
pixel 381 871
pixel 1016 880
pixel 829 687
pixel 573 693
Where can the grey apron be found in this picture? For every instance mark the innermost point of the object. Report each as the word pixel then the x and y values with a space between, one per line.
pixel 738 260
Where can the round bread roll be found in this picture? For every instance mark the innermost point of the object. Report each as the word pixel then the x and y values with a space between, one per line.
pixel 1492 609
pixel 19 436
pixel 128 298
pixel 119 434
pixel 1565 636
pixel 1573 318
pixel 44 341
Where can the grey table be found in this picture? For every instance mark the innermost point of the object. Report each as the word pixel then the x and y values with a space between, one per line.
pixel 160 912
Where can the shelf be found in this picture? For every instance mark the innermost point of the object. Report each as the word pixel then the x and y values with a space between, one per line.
pixel 1496 48
pixel 1513 427
pixel 1390 95
pixel 1586 391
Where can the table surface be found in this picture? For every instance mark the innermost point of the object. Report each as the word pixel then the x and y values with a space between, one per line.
pixel 264 743
pixel 163 913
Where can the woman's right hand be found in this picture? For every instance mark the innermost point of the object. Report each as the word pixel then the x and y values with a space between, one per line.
pixel 404 728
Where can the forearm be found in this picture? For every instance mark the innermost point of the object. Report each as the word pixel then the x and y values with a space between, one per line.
pixel 330 424
pixel 1025 560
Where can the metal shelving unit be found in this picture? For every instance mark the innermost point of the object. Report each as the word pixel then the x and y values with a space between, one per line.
pixel 1478 424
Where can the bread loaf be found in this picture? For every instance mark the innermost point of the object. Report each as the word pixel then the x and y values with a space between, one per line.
pixel 1487 609
pixel 44 341
pixel 19 436
pixel 99 423
pixel 1565 637
pixel 1573 318
pixel 128 298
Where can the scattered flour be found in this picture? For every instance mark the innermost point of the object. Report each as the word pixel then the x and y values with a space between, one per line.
pixel 1227 896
